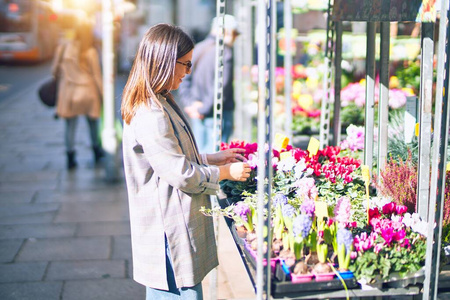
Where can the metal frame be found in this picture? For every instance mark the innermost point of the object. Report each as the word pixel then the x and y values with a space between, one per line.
pixel 432 195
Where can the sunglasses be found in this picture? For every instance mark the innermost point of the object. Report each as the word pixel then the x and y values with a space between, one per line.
pixel 188 64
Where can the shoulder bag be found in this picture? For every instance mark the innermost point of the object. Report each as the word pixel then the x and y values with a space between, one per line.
pixel 48 92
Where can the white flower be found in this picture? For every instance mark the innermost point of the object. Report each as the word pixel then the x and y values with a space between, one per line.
pixel 287 164
pixel 299 168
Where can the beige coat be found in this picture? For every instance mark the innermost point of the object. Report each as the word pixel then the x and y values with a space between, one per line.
pixel 167 185
pixel 80 88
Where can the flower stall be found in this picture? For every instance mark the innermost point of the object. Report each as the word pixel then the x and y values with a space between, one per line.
pixel 316 222
pixel 329 232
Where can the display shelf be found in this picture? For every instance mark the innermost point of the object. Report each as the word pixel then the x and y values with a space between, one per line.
pixel 334 288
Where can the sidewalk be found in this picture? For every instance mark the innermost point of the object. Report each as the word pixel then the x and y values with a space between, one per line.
pixel 65 234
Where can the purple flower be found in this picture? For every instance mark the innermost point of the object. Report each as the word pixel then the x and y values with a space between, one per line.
pixel 288 211
pixel 242 210
pixel 302 225
pixel 344 236
pixel 308 207
pixel 279 199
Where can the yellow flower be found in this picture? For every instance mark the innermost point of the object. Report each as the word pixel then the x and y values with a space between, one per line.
pixel 296 89
pixel 305 101
pixel 394 82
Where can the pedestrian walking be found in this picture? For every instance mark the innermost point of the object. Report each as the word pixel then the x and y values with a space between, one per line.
pixel 79 90
pixel 197 91
pixel 167 179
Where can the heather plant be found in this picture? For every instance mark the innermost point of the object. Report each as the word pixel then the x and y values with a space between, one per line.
pixel 399 182
pixel 446 216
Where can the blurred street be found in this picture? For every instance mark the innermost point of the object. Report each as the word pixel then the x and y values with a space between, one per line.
pixel 65 234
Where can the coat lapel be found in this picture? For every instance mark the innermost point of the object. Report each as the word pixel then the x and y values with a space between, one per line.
pixel 176 115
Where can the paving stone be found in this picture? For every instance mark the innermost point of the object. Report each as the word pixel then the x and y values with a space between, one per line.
pixel 103 289
pixel 37 231
pixel 93 269
pixel 31 290
pixel 20 272
pixel 9 249
pixel 65 249
pixel 45 196
pixel 8 186
pixel 122 247
pixel 27 209
pixel 92 212
pixel 29 176
pixel 16 197
pixel 37 218
pixel 104 228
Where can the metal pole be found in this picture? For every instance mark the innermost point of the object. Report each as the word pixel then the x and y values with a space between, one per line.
pixel 370 95
pixel 426 87
pixel 248 47
pixel 383 109
pixel 109 138
pixel 238 74
pixel 270 99
pixel 218 76
pixel 438 173
pixel 337 86
pixel 262 66
pixel 217 127
pixel 325 105
pixel 287 68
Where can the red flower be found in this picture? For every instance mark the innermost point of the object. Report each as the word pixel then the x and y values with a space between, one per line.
pixel 389 208
pixel 374 214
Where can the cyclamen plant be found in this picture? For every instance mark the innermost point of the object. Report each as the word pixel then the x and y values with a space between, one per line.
pixel 390 244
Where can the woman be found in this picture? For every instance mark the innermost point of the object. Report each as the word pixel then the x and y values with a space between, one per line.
pixel 168 181
pixel 80 89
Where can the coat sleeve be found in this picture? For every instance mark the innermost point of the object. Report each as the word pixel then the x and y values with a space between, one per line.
pixel 155 133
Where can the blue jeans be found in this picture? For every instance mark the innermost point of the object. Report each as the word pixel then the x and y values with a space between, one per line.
pixel 185 293
pixel 71 128
pixel 203 131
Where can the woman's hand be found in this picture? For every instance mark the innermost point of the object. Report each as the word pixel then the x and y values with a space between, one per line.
pixel 226 156
pixel 238 171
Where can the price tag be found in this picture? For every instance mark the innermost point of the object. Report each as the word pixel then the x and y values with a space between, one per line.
pixel 281 141
pixel 313 146
pixel 365 171
pixel 284 155
pixel 321 210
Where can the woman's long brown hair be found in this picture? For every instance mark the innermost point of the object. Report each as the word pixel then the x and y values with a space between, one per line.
pixel 153 69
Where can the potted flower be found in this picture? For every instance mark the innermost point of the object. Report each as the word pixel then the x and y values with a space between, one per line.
pixel 301 228
pixel 390 244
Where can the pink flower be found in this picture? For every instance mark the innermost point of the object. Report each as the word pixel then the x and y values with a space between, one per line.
pixel 401 210
pixel 342 211
pixel 387 234
pixel 306 188
pixel 378 248
pixel 364 242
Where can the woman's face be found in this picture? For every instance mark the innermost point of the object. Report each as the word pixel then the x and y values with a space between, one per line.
pixel 182 67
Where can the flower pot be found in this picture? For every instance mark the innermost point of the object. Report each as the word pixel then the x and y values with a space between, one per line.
pixel 241 232
pixel 301 278
pixel 324 276
pixel 346 274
